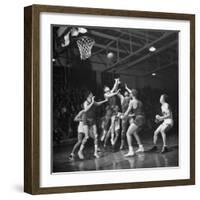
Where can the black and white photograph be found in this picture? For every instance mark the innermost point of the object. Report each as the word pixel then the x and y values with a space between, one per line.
pixel 114 98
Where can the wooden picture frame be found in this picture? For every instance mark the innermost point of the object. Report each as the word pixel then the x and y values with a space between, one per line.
pixel 32 94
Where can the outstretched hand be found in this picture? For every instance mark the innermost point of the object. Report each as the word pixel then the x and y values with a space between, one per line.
pixel 118 91
pixel 117 80
pixel 158 117
pixel 93 98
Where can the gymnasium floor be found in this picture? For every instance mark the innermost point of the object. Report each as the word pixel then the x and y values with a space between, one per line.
pixel 113 159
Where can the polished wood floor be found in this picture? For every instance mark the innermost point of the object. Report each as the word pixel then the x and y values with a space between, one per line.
pixel 112 159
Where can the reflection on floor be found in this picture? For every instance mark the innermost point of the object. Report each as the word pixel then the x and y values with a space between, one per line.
pixel 114 159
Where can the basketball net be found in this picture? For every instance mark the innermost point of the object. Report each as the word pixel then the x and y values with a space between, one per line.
pixel 85 45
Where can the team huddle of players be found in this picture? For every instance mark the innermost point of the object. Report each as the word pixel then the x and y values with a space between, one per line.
pixel 125 123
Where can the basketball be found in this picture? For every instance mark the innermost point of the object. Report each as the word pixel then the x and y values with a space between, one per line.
pixel 110 55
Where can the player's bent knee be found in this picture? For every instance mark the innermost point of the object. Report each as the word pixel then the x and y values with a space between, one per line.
pixel 163 132
pixel 156 133
pixel 79 142
pixel 135 133
pixel 128 133
pixel 85 139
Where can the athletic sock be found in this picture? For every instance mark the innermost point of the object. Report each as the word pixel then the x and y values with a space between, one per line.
pixel 95 148
pixel 130 152
pixel 131 149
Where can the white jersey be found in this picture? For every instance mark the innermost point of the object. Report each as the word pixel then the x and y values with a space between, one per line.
pixel 165 111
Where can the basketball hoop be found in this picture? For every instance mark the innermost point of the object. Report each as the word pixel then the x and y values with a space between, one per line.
pixel 85 45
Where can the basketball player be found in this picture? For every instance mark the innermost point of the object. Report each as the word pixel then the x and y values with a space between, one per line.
pixel 73 32
pixel 167 123
pixel 136 123
pixel 115 127
pixel 81 134
pixel 106 122
pixel 110 95
pixel 128 89
pixel 124 105
pixel 114 130
pixel 89 123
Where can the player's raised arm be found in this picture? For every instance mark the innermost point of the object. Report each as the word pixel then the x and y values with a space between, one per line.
pixel 121 97
pixel 111 94
pixel 78 116
pixel 115 86
pixel 101 102
pixel 129 90
pixel 86 106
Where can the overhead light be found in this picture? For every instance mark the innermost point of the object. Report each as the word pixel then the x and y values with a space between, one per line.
pixel 152 49
pixel 153 74
pixel 53 60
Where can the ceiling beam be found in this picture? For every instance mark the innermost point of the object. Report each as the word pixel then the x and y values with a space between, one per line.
pixel 103 35
pixel 102 46
pixel 139 50
pixel 161 68
pixel 129 74
pixel 129 33
pixel 141 74
pixel 98 51
pixel 142 34
pixel 130 65
pixel 135 33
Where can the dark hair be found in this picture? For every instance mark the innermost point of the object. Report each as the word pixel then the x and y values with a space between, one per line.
pixel 166 97
pixel 87 93
pixel 134 93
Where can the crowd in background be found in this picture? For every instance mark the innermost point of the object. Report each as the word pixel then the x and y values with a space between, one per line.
pixel 67 102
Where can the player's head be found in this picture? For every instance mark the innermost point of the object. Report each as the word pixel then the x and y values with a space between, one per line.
pixel 116 108
pixel 82 106
pixel 106 89
pixel 164 98
pixel 89 96
pixel 126 94
pixel 134 93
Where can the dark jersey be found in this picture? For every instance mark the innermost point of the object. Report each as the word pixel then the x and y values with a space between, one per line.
pixel 91 113
pixel 139 109
pixel 125 104
pixel 112 101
